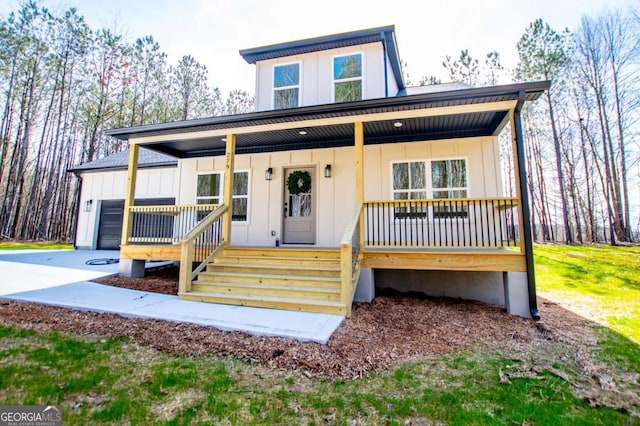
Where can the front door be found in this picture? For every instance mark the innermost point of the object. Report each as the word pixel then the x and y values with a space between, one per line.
pixel 299 206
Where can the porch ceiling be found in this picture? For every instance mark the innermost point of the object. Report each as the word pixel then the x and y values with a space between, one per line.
pixel 433 116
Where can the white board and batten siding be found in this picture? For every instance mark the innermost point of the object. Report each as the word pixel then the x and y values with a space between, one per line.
pixel 316 75
pixel 99 186
pixel 335 196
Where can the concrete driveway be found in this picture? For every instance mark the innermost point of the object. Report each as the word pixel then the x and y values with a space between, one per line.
pixel 25 270
pixel 63 278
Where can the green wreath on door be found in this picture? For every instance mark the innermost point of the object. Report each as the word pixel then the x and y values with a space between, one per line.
pixel 299 182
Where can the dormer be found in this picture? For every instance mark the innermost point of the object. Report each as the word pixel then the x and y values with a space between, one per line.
pixel 342 67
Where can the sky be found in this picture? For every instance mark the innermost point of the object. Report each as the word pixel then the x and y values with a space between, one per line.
pixel 213 31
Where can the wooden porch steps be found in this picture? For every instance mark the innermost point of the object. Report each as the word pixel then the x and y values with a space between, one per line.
pixel 300 279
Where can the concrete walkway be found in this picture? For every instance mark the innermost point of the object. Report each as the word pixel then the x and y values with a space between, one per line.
pixel 62 278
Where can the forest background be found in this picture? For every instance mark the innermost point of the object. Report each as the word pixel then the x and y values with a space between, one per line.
pixel 62 84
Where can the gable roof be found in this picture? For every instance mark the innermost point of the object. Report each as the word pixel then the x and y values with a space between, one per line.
pixel 386 35
pixel 280 130
pixel 120 160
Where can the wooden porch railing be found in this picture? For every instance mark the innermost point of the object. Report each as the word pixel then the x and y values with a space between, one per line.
pixel 350 259
pixel 165 224
pixel 200 245
pixel 457 222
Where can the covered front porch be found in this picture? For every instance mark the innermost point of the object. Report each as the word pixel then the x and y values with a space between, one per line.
pixel 448 233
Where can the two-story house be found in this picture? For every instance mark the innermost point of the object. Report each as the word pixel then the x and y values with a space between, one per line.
pixel 342 180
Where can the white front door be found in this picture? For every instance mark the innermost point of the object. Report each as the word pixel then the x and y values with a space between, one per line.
pixel 299 206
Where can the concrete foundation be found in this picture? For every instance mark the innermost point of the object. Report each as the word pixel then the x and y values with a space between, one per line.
pixel 131 268
pixel 365 291
pixel 516 294
pixel 509 289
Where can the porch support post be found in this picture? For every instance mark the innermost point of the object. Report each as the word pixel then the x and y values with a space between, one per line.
pixel 229 159
pixel 359 158
pixel 130 193
pixel 526 240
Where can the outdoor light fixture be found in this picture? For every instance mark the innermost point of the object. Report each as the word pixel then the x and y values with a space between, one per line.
pixel 302 132
pixel 223 139
pixel 327 171
pixel 87 205
pixel 398 124
pixel 268 174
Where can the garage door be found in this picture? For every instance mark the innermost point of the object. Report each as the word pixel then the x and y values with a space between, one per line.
pixel 111 214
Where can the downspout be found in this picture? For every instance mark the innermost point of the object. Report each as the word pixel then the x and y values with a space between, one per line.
pixel 384 59
pixel 526 214
pixel 75 225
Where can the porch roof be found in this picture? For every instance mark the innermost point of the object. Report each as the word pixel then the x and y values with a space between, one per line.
pixel 437 115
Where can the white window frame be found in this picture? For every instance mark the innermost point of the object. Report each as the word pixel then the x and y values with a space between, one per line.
pixel 428 181
pixel 221 191
pixel 207 197
pixel 273 83
pixel 401 215
pixel 247 196
pixel 334 81
pixel 455 188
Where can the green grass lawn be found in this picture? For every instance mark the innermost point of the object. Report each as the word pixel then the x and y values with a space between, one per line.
pixel 105 380
pixel 12 245
pixel 603 280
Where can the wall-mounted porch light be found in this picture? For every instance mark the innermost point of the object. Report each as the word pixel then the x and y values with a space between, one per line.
pixel 327 171
pixel 268 174
pixel 87 205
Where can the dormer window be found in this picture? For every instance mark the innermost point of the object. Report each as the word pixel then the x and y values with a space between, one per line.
pixel 347 78
pixel 286 86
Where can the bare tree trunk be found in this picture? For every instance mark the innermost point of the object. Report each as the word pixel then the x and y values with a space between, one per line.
pixel 556 146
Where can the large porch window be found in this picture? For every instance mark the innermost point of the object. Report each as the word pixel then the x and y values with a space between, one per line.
pixel 448 179
pixel 209 191
pixel 409 183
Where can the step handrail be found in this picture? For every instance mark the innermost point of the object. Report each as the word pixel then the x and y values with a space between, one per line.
pixel 350 258
pixel 200 244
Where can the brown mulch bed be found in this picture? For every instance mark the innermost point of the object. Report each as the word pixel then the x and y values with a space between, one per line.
pixel 385 332
pixel 157 280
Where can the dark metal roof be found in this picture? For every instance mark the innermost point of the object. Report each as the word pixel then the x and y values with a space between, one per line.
pixel 334 135
pixel 120 160
pixel 372 35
